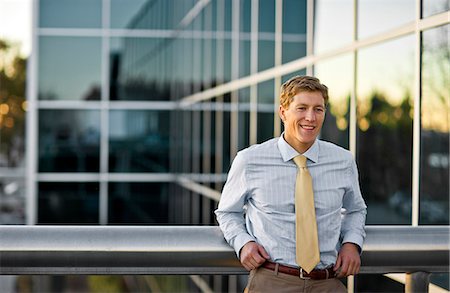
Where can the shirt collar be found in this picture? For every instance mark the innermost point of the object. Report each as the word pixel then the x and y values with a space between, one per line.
pixel 288 152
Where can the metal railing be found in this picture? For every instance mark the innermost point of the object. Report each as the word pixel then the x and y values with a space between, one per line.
pixel 53 250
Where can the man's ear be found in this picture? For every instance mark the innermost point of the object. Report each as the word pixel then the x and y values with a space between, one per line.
pixel 281 112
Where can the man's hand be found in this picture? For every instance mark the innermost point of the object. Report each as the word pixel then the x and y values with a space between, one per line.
pixel 348 261
pixel 253 255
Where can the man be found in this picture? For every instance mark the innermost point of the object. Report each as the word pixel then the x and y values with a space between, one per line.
pixel 304 213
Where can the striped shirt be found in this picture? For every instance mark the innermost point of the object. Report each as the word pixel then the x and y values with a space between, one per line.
pixel 261 185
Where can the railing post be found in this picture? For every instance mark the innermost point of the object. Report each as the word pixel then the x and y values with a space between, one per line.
pixel 417 282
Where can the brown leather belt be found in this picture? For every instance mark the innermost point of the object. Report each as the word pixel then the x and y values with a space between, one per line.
pixel 299 272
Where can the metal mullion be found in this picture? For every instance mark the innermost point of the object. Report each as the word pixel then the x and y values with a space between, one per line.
pixel 353 119
pixel 206 153
pixel 32 123
pixel 278 63
pixel 104 117
pixel 234 115
pixel 353 115
pixel 416 121
pixel 220 46
pixel 310 34
pixel 253 133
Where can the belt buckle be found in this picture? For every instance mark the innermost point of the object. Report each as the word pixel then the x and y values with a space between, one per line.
pixel 303 277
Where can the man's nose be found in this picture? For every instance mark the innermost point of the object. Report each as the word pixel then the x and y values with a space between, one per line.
pixel 310 115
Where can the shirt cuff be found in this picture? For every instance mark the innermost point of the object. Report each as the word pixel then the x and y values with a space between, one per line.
pixel 355 239
pixel 240 241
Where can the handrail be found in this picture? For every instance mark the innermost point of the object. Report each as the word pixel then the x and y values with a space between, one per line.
pixel 172 250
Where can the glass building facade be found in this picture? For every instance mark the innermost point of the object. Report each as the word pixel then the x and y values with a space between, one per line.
pixel 136 108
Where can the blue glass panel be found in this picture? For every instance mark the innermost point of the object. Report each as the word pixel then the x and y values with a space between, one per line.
pixel 69 68
pixel 70 13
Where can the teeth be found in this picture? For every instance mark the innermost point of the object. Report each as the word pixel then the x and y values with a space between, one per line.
pixel 308 127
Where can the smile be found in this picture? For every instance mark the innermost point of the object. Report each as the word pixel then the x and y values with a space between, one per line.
pixel 307 127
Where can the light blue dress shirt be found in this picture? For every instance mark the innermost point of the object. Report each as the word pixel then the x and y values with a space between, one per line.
pixel 261 185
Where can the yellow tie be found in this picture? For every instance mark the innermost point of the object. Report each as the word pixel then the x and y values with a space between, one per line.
pixel 307 241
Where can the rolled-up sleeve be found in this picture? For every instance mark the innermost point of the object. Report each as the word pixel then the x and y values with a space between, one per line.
pixel 355 210
pixel 230 212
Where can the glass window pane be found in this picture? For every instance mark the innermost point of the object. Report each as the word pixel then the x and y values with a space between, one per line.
pixel 68 203
pixel 339 83
pixel 139 141
pixel 12 200
pixel 328 35
pixel 384 131
pixel 143 14
pixel 265 110
pixel 431 7
pixel 139 69
pixel 266 53
pixel 294 30
pixel 435 128
pixel 244 118
pixel 70 13
pixel 226 146
pixel 244 58
pixel 245 15
pixel 69 140
pixel 392 13
pixel 69 68
pixel 139 203
pixel 266 16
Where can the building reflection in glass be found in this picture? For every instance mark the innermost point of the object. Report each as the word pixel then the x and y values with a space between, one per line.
pixel 69 141
pixel 69 68
pixel 139 141
pixel 138 203
pixel 384 129
pixel 68 203
pixel 328 35
pixel 376 17
pixel 435 127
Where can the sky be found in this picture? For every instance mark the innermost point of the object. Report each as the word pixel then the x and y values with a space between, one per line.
pixel 15 23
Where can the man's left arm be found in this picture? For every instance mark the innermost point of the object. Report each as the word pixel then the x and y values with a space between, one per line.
pixel 352 228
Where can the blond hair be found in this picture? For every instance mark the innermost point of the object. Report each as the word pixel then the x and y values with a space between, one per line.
pixel 299 84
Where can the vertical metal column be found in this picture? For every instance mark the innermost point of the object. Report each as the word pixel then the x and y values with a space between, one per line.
pixel 104 116
pixel 416 119
pixel 278 62
pixel 31 129
pixel 417 282
pixel 235 44
pixel 253 133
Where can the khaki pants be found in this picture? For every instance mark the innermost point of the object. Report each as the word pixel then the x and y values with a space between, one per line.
pixel 264 280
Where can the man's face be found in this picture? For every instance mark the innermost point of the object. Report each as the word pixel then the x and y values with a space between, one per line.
pixel 303 119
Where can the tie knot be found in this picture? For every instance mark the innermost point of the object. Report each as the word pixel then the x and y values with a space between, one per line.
pixel 300 161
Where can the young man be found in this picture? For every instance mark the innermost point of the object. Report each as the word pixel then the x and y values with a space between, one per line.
pixel 304 214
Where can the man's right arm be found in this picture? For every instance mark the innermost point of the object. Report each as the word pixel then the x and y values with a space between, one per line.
pixel 230 212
